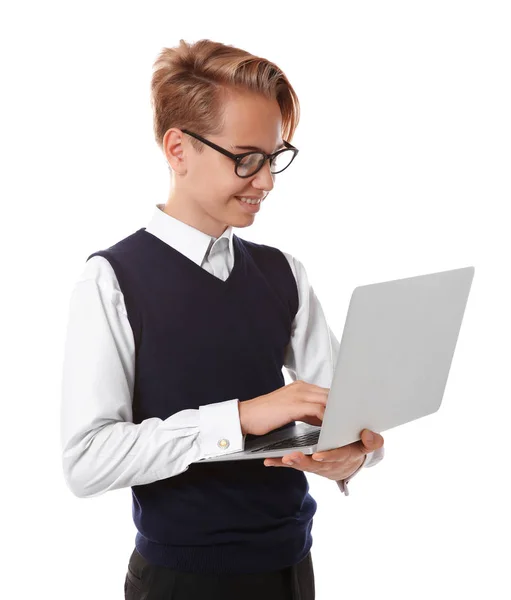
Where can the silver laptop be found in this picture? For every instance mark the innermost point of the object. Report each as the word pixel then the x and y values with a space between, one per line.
pixel 394 359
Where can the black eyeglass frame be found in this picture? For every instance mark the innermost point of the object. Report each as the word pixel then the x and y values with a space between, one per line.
pixel 238 157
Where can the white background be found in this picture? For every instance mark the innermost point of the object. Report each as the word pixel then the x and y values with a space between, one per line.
pixel 404 169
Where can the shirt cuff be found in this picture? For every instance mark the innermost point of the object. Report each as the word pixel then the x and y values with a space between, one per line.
pixel 374 457
pixel 220 429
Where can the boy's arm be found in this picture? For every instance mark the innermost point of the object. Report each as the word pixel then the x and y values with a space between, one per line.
pixel 102 449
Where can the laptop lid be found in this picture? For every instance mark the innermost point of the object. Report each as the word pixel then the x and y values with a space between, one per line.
pixel 395 354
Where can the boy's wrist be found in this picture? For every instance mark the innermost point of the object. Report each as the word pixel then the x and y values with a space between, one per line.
pixel 243 432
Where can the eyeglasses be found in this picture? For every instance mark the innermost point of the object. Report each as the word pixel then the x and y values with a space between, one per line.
pixel 249 163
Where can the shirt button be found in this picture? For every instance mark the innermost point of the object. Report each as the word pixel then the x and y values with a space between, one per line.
pixel 223 444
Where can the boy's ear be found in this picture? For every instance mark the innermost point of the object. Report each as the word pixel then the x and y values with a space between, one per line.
pixel 174 150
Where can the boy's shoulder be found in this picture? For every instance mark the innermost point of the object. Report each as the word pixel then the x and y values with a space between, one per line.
pixel 265 251
pixel 263 248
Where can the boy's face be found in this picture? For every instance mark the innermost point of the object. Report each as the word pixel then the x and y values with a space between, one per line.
pixel 206 186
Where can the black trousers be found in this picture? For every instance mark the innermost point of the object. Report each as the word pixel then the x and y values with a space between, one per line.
pixel 145 581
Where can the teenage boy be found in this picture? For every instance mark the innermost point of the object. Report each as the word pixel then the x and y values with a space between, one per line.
pixel 176 341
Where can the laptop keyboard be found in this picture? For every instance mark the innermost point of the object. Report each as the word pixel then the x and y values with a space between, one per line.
pixel 307 439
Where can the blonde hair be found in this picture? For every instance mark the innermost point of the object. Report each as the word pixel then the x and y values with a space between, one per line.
pixel 191 82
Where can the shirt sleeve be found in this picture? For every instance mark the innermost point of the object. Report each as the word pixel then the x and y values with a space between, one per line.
pixel 311 354
pixel 102 449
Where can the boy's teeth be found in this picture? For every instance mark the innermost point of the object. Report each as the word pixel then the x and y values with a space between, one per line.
pixel 249 201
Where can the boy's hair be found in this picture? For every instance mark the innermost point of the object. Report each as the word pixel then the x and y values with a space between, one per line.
pixel 191 82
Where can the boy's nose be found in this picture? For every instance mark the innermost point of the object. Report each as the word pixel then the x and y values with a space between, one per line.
pixel 264 179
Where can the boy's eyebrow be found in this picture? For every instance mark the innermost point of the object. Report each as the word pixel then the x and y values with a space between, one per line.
pixel 256 148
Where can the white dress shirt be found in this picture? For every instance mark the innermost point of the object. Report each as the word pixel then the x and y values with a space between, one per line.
pixel 102 449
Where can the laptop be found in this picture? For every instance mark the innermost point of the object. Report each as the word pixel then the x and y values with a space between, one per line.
pixel 394 358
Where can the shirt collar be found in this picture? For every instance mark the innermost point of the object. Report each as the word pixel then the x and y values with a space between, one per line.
pixel 188 240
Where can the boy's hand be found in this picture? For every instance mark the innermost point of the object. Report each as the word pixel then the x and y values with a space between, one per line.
pixel 338 463
pixel 297 401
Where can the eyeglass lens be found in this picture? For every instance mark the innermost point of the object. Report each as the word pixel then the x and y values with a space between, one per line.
pixel 252 162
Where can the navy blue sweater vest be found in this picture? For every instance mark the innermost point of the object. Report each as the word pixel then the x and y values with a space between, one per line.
pixel 200 340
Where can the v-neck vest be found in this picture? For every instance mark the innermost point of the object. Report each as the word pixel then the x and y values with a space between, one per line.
pixel 200 340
